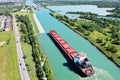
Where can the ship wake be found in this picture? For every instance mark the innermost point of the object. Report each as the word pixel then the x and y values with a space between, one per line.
pixel 100 74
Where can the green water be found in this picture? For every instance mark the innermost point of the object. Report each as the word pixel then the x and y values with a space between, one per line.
pixel 104 69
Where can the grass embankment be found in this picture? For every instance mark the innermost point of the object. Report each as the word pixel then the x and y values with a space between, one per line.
pixel 8 57
pixel 34 24
pixel 92 36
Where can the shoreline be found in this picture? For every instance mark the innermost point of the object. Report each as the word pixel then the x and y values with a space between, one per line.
pixel 112 60
pixel 39 26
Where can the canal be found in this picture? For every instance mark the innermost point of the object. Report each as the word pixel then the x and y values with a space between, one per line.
pixel 63 70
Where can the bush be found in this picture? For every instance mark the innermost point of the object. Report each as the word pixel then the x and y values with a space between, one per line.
pixel 99 40
pixel 24 57
pixel 103 44
pixel 48 70
pixel 114 50
pixel 87 34
pixel 8 41
pixel 111 48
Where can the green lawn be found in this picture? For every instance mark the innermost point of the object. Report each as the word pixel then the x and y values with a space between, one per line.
pixel 20 13
pixel 8 57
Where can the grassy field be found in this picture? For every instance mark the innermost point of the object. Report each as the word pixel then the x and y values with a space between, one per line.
pixel 8 57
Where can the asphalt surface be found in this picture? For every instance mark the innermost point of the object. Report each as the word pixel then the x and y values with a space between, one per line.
pixel 21 63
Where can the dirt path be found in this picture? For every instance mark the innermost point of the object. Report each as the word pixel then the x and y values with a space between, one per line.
pixel 2 43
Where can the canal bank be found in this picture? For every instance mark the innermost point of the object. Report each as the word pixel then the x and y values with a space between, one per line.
pixel 90 39
pixel 40 28
pixel 105 69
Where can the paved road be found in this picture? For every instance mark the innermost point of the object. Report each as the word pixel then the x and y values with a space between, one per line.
pixel 22 68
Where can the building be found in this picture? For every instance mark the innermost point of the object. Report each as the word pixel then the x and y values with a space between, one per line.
pixel 2 19
pixel 7 24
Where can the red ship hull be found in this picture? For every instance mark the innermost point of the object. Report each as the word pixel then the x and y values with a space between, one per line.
pixel 69 52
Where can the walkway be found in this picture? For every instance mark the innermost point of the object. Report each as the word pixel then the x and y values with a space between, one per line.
pixel 21 63
pixel 40 28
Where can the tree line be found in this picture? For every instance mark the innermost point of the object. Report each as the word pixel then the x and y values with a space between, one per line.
pixel 115 12
pixel 7 10
pixel 82 13
pixel 104 4
pixel 38 57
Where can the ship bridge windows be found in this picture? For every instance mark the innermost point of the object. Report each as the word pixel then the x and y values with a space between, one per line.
pixel 77 61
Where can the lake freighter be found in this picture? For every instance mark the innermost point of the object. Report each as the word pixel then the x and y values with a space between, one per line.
pixel 78 60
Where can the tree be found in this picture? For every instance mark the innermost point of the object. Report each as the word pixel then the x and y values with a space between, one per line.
pixel 115 41
pixel 114 50
pixel 103 44
pixel 99 40
pixel 24 57
pixel 39 71
pixel 88 26
pixel 26 39
pixel 111 48
pixel 23 28
pixel 79 28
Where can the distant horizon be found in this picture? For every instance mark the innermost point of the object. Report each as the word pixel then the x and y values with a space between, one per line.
pixel 11 1
pixel 52 0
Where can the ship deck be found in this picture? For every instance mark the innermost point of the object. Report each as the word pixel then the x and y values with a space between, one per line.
pixel 64 45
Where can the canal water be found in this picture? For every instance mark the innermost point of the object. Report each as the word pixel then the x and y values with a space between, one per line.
pixel 63 70
pixel 30 3
pixel 102 12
